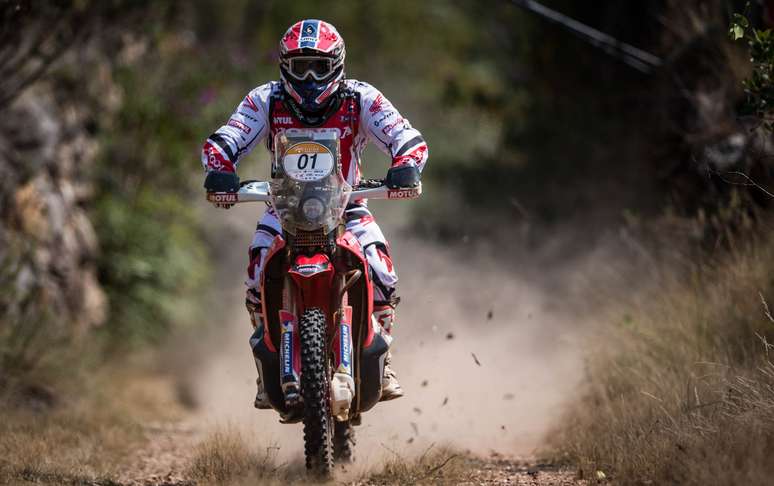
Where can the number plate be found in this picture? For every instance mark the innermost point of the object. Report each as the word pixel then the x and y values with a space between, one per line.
pixel 308 161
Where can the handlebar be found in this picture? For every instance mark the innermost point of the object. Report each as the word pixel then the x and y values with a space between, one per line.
pixel 260 191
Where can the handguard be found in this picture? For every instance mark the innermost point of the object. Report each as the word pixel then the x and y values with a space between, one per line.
pixel 220 181
pixel 402 176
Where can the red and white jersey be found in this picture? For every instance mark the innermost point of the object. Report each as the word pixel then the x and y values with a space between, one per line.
pixel 363 115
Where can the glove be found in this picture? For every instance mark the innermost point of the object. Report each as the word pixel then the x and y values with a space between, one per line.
pixel 406 175
pixel 219 181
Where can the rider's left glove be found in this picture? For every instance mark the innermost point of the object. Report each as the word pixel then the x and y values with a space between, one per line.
pixel 221 181
pixel 406 175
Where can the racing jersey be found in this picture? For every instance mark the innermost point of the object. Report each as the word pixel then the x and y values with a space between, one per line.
pixel 364 114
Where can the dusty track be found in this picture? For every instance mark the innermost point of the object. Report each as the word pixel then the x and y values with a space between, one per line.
pixel 485 359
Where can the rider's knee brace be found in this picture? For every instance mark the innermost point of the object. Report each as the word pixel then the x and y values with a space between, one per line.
pixel 254 307
pixel 384 315
pixel 253 294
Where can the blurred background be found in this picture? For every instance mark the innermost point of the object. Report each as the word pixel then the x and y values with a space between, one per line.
pixel 572 157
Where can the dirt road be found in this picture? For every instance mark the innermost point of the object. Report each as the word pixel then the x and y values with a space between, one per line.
pixel 486 361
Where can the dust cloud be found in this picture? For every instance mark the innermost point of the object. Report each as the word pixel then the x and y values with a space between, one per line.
pixel 485 358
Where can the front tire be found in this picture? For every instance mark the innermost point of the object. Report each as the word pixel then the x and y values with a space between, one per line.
pixel 315 389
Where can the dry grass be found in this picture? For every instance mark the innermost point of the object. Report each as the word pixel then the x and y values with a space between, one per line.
pixel 85 434
pixel 226 457
pixel 75 444
pixel 681 387
pixel 436 466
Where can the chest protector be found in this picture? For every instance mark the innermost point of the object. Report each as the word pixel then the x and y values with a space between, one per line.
pixel 345 118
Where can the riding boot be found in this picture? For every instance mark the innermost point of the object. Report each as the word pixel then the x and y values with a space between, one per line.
pixel 384 314
pixel 254 309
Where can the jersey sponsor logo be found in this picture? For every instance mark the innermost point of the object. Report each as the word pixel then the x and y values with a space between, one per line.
pixel 376 106
pixel 238 124
pixel 385 115
pixel 283 120
pixel 249 117
pixel 387 128
pixel 416 155
pixel 215 160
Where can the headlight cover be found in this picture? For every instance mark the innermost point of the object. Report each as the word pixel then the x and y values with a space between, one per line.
pixel 313 209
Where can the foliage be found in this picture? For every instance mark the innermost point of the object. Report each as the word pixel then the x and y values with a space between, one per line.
pixel 759 86
pixel 153 260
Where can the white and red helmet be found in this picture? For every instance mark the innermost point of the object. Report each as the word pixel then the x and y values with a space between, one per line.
pixel 311 63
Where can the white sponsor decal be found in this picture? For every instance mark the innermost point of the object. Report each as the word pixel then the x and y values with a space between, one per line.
pixel 222 197
pixel 402 193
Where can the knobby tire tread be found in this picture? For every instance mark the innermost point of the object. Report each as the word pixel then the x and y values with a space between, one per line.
pixel 315 389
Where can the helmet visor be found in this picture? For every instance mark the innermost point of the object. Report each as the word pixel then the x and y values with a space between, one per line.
pixel 318 67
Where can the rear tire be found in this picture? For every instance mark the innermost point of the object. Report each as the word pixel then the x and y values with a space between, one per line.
pixel 343 442
pixel 315 389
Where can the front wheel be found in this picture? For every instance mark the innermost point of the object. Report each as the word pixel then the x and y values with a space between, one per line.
pixel 315 389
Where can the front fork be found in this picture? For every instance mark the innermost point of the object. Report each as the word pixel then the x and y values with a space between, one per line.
pixel 340 345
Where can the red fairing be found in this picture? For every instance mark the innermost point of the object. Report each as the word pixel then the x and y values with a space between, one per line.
pixel 216 160
pixel 275 247
pixel 319 259
pixel 314 278
pixel 348 242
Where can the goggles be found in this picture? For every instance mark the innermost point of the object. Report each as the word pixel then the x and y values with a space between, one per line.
pixel 319 68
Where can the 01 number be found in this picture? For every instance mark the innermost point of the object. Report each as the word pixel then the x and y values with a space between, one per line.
pixel 303 161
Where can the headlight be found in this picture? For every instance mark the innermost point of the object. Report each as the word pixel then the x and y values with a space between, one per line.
pixel 313 209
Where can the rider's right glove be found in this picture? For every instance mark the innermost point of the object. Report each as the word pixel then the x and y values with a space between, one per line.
pixel 406 175
pixel 221 181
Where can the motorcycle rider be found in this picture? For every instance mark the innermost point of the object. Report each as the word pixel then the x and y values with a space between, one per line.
pixel 313 92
